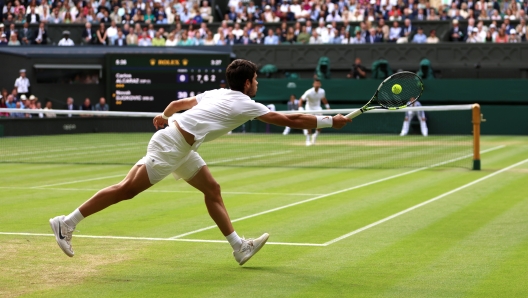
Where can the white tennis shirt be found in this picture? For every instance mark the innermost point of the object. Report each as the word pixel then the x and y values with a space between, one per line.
pixel 312 98
pixel 218 112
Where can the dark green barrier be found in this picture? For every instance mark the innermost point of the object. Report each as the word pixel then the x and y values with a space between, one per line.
pixel 446 91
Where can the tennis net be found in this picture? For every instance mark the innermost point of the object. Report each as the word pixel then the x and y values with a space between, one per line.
pixel 370 141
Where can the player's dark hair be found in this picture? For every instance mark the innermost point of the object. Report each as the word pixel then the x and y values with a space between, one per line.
pixel 317 80
pixel 238 72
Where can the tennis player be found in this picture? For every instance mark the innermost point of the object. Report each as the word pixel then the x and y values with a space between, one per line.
pixel 409 115
pixel 313 98
pixel 173 149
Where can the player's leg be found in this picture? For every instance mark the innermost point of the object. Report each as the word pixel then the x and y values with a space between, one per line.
pixel 136 181
pixel 203 180
pixel 314 135
pixel 406 123
pixel 286 131
pixel 423 127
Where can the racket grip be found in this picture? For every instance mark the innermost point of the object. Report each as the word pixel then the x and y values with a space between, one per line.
pixel 354 114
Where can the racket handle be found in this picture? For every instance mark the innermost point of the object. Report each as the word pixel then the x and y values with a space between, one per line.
pixel 354 114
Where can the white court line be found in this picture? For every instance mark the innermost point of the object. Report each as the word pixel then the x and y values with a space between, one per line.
pixel 335 192
pixel 248 157
pixel 158 239
pixel 78 181
pixel 423 203
pixel 167 191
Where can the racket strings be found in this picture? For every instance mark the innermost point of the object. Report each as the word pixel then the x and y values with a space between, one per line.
pixel 411 89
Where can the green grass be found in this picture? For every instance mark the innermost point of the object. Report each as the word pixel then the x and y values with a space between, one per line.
pixel 469 243
pixel 253 150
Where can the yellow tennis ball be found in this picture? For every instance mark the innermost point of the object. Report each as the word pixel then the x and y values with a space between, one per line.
pixel 396 89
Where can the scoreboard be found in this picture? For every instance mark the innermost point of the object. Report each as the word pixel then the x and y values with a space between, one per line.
pixel 149 82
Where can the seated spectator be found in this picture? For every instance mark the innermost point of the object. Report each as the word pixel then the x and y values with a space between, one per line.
pixel 111 33
pixel 303 37
pixel 3 106
pixel 55 18
pixel 18 105
pixel 171 41
pixel 271 38
pixel 86 106
pixel 419 37
pixel 132 39
pixel 13 40
pixel 158 40
pixel 120 40
pixel 358 39
pixel 144 40
pixel 33 17
pixel 315 38
pixel 432 38
pixel 3 40
pixel 88 35
pixel 395 32
pixel 66 41
pixel 101 35
pixel 206 13
pixel 102 105
pixel 10 102
pixel 514 37
pixel 455 33
pixel 290 36
pixel 49 106
pixel 501 37
pixel 269 16
pixel 185 40
pixel 473 37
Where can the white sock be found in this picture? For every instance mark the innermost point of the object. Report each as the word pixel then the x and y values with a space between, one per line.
pixel 305 132
pixel 308 138
pixel 234 240
pixel 73 218
pixel 314 136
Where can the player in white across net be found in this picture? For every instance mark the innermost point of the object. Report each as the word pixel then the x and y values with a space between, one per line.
pixel 409 115
pixel 173 150
pixel 313 98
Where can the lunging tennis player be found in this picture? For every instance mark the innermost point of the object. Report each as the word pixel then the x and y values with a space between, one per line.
pixel 172 149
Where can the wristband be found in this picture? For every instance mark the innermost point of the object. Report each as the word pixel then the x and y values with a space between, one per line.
pixel 327 106
pixel 164 117
pixel 324 121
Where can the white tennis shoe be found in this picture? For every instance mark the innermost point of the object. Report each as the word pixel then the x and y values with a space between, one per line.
pixel 63 234
pixel 249 248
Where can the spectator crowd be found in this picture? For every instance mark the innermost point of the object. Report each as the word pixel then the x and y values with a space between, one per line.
pixel 131 23
pixel 21 98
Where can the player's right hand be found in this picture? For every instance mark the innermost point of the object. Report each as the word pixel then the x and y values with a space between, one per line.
pixel 159 122
pixel 338 121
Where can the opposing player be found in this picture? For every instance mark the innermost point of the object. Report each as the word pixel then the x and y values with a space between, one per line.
pixel 172 149
pixel 313 98
pixel 409 115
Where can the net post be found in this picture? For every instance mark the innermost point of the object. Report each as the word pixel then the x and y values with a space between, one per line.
pixel 476 119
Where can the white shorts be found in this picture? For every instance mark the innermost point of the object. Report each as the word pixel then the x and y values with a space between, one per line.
pixel 316 108
pixel 167 153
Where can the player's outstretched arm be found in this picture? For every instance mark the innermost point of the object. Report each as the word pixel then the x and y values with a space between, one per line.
pixel 304 121
pixel 175 106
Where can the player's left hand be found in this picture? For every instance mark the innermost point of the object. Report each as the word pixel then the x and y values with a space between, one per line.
pixel 159 122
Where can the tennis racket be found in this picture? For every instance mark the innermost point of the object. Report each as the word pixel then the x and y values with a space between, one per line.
pixel 398 91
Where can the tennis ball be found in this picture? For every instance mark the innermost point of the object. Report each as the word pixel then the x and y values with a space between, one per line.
pixel 396 89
